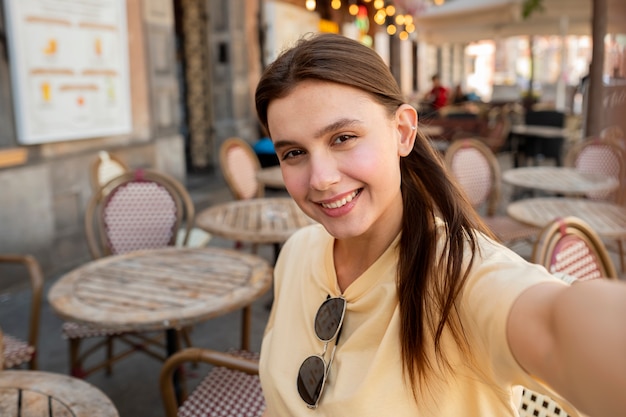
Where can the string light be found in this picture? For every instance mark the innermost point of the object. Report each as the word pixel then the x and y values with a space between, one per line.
pixel 310 5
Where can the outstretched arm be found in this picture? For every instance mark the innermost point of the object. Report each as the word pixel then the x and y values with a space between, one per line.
pixel 574 339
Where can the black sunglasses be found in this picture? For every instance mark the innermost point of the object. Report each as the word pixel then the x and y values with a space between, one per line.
pixel 314 370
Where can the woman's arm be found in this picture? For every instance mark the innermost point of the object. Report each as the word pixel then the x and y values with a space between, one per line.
pixel 574 339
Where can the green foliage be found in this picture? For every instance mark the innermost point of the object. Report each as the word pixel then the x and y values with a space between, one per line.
pixel 531 6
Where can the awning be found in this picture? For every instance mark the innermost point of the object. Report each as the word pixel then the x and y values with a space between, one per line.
pixel 471 20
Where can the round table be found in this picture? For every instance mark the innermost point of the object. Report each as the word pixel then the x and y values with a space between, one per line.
pixel 608 220
pixel 271 177
pixel 36 393
pixel 562 180
pixel 161 289
pixel 258 220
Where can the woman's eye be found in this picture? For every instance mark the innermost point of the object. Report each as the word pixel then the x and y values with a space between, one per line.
pixel 343 138
pixel 291 154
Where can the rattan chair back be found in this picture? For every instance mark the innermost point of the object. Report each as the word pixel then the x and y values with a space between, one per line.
pixel 140 209
pixel 476 169
pixel 570 247
pixel 600 156
pixel 239 165
pixel 20 350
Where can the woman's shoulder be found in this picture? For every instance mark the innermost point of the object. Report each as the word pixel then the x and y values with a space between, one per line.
pixel 306 240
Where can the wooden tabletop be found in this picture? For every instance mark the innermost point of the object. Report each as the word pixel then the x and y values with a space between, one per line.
pixel 259 220
pixel 271 177
pixel 561 180
pixel 607 219
pixel 161 288
pixel 36 393
pixel 548 132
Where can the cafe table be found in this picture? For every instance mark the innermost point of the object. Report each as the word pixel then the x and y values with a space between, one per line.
pixel 559 180
pixel 36 393
pixel 271 177
pixel 257 220
pixel 162 289
pixel 607 219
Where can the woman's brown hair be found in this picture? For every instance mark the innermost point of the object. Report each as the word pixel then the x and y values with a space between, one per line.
pixel 427 192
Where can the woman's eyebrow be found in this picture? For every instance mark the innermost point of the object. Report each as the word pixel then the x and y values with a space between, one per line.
pixel 336 125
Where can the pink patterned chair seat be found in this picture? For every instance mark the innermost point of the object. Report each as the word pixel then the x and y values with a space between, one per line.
pixel 73 330
pixel 226 392
pixel 16 351
pixel 230 389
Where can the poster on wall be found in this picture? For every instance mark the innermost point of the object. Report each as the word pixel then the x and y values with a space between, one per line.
pixel 69 68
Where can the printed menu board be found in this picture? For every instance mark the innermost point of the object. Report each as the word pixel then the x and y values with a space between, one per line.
pixel 69 68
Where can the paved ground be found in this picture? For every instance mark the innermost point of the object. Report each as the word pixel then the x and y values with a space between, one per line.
pixel 133 386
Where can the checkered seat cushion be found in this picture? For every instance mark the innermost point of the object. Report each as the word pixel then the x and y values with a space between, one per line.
pixel 16 351
pixel 225 392
pixel 72 330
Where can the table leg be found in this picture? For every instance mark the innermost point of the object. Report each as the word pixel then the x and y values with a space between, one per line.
pixel 171 346
pixel 246 317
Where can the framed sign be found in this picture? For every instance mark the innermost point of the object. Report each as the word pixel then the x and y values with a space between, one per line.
pixel 69 68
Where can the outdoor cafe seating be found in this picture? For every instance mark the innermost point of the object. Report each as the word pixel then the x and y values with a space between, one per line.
pixel 139 209
pixel 20 350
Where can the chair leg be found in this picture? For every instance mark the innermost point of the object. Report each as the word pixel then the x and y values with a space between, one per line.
pixel 109 367
pixel 76 369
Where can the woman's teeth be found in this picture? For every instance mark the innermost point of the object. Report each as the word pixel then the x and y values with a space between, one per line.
pixel 340 203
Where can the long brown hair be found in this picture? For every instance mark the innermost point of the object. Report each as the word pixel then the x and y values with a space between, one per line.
pixel 427 191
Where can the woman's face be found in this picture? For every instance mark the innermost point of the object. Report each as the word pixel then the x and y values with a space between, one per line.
pixel 339 152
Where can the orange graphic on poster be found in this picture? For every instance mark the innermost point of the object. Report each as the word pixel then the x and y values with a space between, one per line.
pixel 51 47
pixel 80 100
pixel 98 46
pixel 45 91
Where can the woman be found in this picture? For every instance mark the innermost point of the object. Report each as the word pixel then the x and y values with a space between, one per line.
pixel 440 320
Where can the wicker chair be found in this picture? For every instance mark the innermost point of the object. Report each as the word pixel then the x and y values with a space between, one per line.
pixel 142 209
pixel 569 247
pixel 477 171
pixel 239 165
pixel 572 251
pixel 16 351
pixel 231 387
pixel 108 166
pixel 603 156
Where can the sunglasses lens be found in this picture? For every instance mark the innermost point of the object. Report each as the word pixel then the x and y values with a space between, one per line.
pixel 311 379
pixel 329 317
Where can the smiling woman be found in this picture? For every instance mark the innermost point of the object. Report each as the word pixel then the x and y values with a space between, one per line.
pixel 415 268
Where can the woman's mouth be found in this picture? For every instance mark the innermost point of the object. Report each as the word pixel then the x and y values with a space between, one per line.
pixel 342 202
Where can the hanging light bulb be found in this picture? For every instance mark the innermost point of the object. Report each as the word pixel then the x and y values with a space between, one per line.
pixel 335 4
pixel 310 5
pixel 353 9
pixel 391 29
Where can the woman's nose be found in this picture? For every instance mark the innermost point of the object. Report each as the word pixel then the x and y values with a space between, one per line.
pixel 324 172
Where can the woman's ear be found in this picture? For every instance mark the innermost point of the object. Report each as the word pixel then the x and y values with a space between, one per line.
pixel 406 119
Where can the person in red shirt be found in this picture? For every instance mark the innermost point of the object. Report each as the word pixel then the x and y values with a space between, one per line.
pixel 438 95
